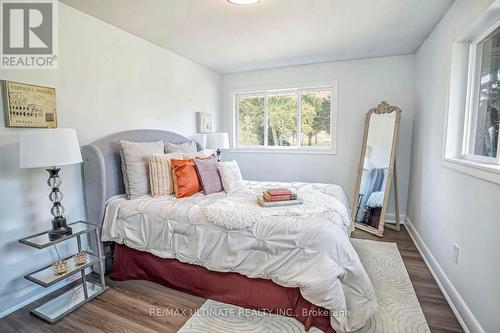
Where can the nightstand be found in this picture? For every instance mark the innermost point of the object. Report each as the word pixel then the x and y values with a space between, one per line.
pixel 58 307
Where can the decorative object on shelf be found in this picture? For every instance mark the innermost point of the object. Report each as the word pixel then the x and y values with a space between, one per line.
pixel 80 258
pixel 27 105
pixel 51 148
pixel 60 267
pixel 204 122
pixel 217 140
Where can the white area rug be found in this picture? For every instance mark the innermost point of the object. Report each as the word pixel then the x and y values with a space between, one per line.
pixel 398 312
pixel 398 306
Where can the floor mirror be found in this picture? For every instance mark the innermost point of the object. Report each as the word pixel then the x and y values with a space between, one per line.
pixel 377 170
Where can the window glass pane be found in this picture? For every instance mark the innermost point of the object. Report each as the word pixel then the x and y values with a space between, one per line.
pixel 251 120
pixel 488 113
pixel 282 124
pixel 315 118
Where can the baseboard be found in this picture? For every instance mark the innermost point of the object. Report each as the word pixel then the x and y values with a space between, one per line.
pixel 32 292
pixel 457 304
pixel 391 218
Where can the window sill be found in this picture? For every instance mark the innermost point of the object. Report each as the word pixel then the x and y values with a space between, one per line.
pixel 485 171
pixel 284 151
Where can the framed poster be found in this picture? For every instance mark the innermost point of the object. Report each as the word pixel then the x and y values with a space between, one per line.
pixel 204 122
pixel 27 105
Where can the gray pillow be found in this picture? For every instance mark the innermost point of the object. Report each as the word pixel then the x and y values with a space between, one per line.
pixel 185 147
pixel 208 173
pixel 135 165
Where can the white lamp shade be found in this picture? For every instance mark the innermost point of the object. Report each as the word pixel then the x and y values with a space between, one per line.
pixel 217 140
pixel 49 147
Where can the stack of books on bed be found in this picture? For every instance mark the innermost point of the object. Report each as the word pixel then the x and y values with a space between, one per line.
pixel 275 197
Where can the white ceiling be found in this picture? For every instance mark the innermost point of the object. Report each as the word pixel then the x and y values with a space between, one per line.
pixel 274 33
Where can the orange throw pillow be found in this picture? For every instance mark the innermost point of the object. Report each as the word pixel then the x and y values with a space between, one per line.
pixel 186 182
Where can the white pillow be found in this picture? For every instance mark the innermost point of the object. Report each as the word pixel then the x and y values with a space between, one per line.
pixel 185 147
pixel 135 165
pixel 230 176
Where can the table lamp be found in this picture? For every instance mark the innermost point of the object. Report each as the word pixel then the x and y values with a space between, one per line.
pixel 217 140
pixel 51 148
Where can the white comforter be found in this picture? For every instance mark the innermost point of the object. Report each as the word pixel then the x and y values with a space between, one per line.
pixel 309 251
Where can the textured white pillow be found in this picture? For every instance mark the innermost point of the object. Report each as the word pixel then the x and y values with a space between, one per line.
pixel 135 165
pixel 160 175
pixel 185 147
pixel 230 176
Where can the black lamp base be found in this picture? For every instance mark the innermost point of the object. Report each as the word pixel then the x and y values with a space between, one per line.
pixel 59 228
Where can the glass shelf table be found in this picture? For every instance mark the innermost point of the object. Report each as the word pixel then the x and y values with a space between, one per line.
pixel 58 307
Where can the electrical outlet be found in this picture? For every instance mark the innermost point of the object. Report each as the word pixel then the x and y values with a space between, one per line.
pixel 456 253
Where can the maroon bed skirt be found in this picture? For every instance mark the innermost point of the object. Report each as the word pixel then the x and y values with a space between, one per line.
pixel 232 288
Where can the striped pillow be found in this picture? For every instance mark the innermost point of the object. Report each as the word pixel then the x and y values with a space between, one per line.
pixel 160 176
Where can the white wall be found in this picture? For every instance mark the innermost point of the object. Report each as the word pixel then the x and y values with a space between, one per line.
pixel 108 81
pixel 362 84
pixel 447 207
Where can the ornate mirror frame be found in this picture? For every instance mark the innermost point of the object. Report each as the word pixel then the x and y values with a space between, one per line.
pixel 382 108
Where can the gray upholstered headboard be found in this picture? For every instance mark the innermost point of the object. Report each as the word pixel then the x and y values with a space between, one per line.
pixel 102 168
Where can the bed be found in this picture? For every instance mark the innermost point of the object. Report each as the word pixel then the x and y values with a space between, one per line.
pixel 294 262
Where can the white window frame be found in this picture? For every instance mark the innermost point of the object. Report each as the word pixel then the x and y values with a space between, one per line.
pixel 460 119
pixel 472 100
pixel 299 89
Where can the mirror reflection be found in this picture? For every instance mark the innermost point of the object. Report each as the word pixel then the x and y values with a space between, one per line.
pixel 376 166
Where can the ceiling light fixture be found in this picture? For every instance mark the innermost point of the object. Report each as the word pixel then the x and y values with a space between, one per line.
pixel 243 2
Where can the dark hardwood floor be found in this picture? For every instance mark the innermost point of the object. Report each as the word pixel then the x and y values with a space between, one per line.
pixel 128 306
pixel 125 307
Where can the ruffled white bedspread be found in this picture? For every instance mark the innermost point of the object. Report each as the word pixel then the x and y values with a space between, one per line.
pixel 307 248
pixel 240 210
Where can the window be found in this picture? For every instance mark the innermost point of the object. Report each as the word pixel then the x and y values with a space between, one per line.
pixel 251 120
pixel 294 119
pixel 471 143
pixel 483 118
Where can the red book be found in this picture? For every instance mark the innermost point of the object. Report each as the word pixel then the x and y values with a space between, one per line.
pixel 269 197
pixel 279 191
